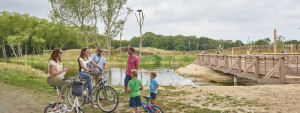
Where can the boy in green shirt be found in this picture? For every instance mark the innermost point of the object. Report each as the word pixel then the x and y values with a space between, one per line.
pixel 133 87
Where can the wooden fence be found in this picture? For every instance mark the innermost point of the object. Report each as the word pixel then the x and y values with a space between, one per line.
pixel 278 68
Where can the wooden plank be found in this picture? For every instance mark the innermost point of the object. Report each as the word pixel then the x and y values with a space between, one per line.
pixel 218 67
pixel 292 80
pixel 239 64
pixel 228 70
pixel 247 75
pixel 247 69
pixel 257 66
pixel 282 70
pixel 211 63
pixel 271 72
pixel 273 80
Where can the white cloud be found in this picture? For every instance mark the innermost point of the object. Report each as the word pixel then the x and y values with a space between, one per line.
pixel 217 19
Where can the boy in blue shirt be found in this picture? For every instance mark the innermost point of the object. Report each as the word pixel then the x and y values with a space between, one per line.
pixel 153 87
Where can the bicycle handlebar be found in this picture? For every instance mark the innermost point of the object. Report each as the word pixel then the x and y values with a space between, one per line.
pixel 80 78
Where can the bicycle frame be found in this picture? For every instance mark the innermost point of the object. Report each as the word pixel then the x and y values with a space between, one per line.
pixel 101 84
pixel 150 105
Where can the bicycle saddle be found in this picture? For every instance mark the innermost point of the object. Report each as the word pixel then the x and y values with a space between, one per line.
pixel 147 97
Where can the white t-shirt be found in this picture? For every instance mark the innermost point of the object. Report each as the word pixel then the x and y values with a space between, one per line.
pixel 86 63
pixel 57 67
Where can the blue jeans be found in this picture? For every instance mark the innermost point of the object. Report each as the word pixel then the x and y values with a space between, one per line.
pixel 135 101
pixel 88 82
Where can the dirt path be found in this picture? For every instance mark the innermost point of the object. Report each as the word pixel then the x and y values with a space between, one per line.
pixel 18 100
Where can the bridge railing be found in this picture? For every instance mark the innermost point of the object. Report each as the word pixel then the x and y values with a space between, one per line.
pixel 270 67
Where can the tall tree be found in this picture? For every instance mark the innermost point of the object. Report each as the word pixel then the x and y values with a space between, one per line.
pixel 73 12
pixel 110 11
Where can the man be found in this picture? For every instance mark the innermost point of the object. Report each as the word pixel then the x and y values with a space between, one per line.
pixel 100 61
pixel 132 63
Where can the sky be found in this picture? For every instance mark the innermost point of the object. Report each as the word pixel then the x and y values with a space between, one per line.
pixel 216 19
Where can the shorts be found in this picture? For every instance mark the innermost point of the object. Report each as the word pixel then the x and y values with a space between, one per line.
pixel 153 95
pixel 135 101
pixel 126 80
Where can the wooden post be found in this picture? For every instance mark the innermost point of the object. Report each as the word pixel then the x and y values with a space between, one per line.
pixel 226 62
pixel 275 46
pixel 282 69
pixel 291 48
pixel 265 65
pixel 240 64
pixel 257 67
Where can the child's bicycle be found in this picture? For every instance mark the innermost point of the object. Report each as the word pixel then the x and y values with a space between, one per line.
pixel 151 108
pixel 62 108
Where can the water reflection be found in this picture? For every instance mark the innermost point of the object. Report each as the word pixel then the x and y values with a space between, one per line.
pixel 116 74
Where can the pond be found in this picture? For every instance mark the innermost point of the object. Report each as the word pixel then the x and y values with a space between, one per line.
pixel 166 74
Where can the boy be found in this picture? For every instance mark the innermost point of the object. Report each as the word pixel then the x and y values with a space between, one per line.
pixel 153 87
pixel 133 88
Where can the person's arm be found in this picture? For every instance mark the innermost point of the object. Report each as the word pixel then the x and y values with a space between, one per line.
pixel 53 73
pixel 137 66
pixel 96 65
pixel 82 66
pixel 128 89
pixel 156 87
pixel 142 88
pixel 105 66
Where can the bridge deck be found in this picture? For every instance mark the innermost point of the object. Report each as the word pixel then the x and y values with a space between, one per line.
pixel 282 68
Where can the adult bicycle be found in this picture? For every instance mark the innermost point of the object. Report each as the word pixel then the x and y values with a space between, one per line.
pixel 106 97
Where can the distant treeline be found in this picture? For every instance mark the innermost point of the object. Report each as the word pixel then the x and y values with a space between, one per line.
pixel 22 34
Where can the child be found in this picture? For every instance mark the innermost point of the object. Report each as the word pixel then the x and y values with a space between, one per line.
pixel 133 88
pixel 153 87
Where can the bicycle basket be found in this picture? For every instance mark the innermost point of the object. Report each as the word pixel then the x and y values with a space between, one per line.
pixel 77 87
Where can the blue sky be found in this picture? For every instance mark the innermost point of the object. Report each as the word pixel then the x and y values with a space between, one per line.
pixel 217 19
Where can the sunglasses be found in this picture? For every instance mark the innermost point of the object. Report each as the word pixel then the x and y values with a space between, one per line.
pixel 100 50
pixel 61 52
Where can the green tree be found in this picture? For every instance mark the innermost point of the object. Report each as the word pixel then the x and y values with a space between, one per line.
pixel 110 11
pixel 148 38
pixel 73 12
pixel 261 42
pixel 179 43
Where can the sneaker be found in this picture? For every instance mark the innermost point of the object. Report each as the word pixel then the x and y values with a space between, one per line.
pixel 93 106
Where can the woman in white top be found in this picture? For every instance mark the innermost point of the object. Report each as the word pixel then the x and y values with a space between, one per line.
pixel 84 63
pixel 56 73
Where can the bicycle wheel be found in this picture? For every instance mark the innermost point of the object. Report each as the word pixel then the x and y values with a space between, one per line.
pixel 80 110
pixel 71 98
pixel 157 109
pixel 107 99
pixel 48 109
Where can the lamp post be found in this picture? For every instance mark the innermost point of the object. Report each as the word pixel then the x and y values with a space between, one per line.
pixel 121 33
pixel 140 20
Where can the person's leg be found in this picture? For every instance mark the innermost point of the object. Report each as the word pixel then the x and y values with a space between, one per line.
pixel 126 80
pixel 93 80
pixel 131 104
pixel 87 77
pixel 58 81
pixel 131 110
pixel 138 104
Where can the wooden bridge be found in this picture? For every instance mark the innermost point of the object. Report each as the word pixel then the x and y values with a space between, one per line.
pixel 268 68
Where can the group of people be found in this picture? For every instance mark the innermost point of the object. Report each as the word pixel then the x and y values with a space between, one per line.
pixel 97 62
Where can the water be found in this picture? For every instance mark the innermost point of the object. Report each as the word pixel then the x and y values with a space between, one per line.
pixel 166 74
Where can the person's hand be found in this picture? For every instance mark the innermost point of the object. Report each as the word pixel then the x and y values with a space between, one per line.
pixel 154 89
pixel 65 69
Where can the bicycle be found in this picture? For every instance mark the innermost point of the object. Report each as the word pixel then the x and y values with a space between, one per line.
pixel 109 97
pixel 62 108
pixel 149 108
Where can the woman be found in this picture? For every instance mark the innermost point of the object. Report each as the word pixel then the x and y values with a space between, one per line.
pixel 56 73
pixel 84 62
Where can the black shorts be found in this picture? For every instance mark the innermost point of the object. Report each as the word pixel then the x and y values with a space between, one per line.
pixel 153 95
